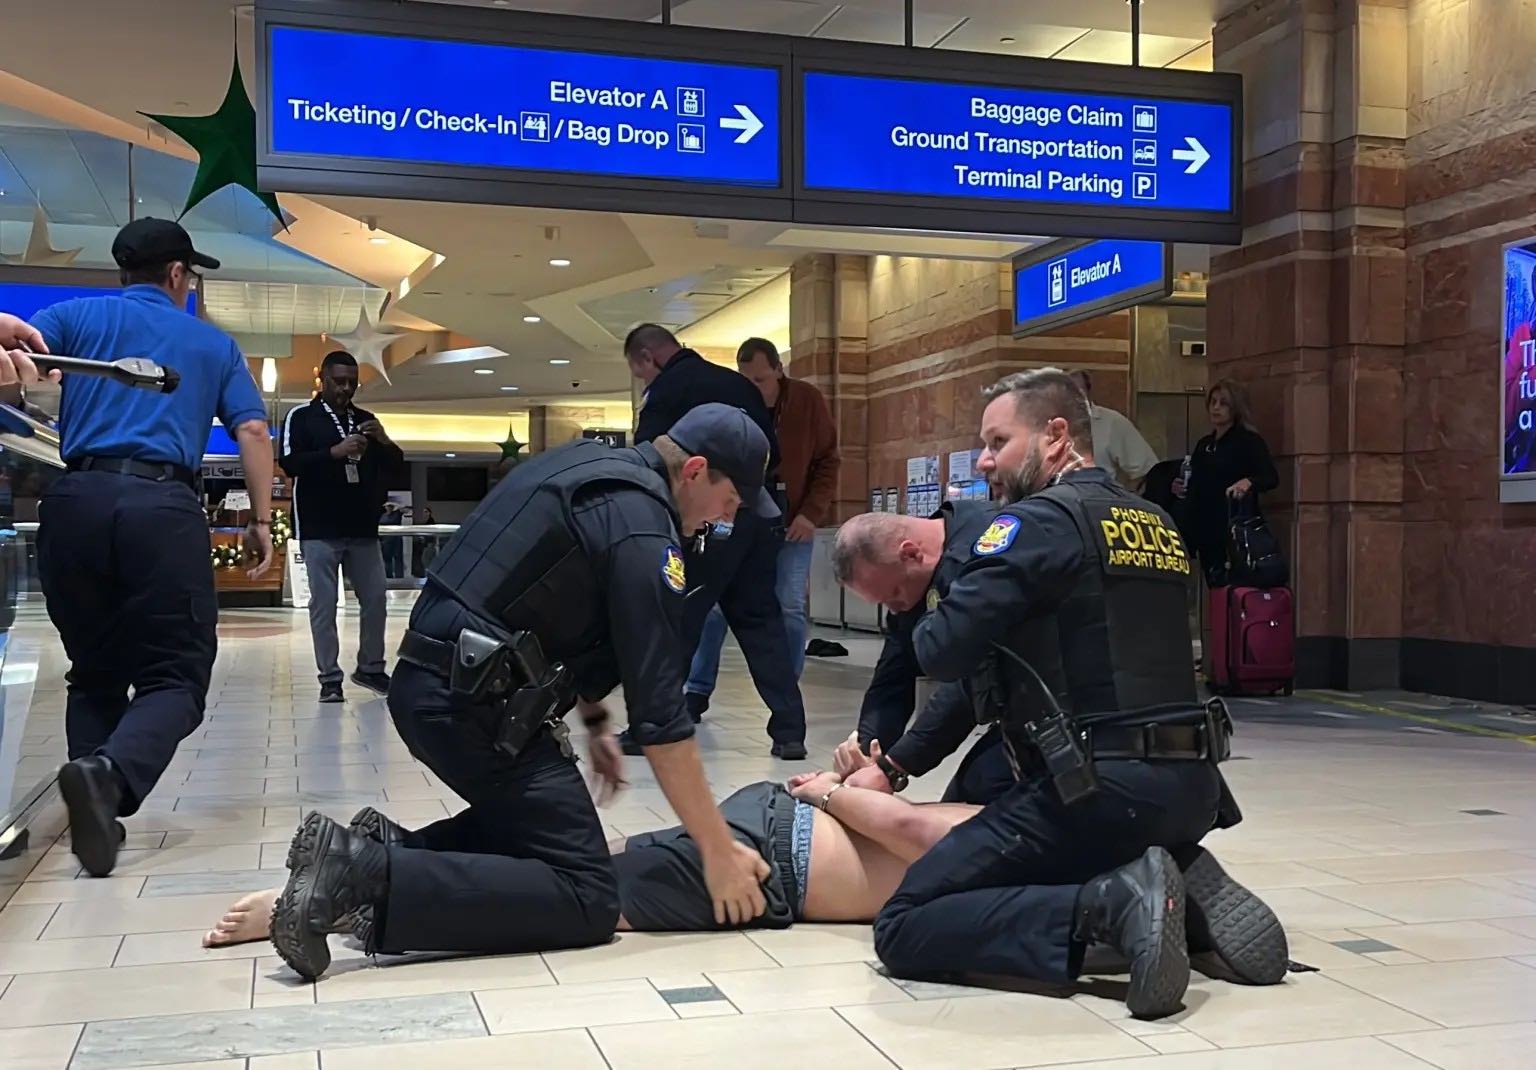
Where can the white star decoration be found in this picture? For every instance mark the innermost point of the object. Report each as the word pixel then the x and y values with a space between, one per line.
pixel 40 251
pixel 367 342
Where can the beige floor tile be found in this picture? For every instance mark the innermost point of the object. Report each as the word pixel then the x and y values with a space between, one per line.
pixel 800 987
pixel 1449 941
pixel 1479 992
pixel 742 1042
pixel 298 1060
pixel 1309 949
pixel 110 917
pixel 25 921
pixel 710 1008
pixel 568 1049
pixel 1364 1053
pixel 1414 902
pixel 1518 926
pixel 1482 1047
pixel 1263 875
pixel 419 977
pixel 88 890
pixel 1177 1043
pixel 642 954
pixel 1302 908
pixel 810 945
pixel 46 1047
pixel 1308 1006
pixel 568 1006
pixel 49 956
pixel 166 861
pixel 182 945
pixel 278 986
pixel 128 992
pixel 989 1032
pixel 1418 867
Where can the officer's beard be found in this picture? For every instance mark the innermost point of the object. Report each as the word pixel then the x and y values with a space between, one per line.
pixel 1029 477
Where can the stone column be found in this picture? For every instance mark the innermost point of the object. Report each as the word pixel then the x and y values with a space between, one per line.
pixel 829 332
pixel 1309 312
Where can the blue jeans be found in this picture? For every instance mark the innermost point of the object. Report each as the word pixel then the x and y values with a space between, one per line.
pixel 794 575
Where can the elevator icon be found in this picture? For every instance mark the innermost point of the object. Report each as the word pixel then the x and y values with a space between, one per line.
pixel 1057 271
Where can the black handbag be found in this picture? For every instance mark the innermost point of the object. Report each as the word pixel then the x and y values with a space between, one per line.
pixel 1253 552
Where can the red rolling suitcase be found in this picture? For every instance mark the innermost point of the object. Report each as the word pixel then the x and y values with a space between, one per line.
pixel 1253 641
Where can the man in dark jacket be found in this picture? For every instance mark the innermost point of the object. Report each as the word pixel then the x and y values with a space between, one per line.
pixel 739 566
pixel 340 460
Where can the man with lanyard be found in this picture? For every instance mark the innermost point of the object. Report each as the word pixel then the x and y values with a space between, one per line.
pixel 567 580
pixel 737 567
pixel 906 564
pixel 123 545
pixel 1078 851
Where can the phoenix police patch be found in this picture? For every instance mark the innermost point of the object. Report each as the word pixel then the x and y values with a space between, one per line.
pixel 672 572
pixel 998 536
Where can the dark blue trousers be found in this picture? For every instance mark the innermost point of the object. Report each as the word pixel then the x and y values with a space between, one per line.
pixel 740 574
pixel 997 894
pixel 523 868
pixel 984 773
pixel 124 567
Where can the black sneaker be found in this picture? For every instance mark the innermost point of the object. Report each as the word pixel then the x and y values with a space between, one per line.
pixel 334 877
pixel 377 682
pixel 92 794
pixel 1226 919
pixel 696 704
pixel 378 828
pixel 331 692
pixel 1138 910
pixel 790 752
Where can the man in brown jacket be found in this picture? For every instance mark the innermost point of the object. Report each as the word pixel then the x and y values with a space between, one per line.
pixel 808 465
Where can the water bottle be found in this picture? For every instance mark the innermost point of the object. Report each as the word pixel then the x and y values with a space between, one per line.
pixel 1185 470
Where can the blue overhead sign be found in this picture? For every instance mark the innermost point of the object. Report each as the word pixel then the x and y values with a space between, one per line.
pixel 897 136
pixel 1069 281
pixel 414 99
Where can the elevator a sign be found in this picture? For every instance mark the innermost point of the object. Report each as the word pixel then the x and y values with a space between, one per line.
pixel 418 100
pixel 1065 282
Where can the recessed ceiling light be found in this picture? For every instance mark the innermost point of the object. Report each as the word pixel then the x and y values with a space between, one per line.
pixel 558 360
pixel 450 456
pixel 532 319
pixel 485 371
pixel 378 239
pixel 559 261
pixel 509 389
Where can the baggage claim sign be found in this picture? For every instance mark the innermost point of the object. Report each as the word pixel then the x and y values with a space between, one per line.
pixel 516 108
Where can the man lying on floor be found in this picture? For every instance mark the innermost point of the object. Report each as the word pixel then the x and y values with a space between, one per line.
pixel 836 854
pixel 835 866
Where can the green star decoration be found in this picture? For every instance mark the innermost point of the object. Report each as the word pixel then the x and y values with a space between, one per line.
pixel 225 143
pixel 511 449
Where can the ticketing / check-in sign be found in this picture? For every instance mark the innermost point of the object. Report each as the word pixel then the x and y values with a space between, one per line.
pixel 1068 281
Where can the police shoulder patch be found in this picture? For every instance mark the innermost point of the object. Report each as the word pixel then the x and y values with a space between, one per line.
pixel 673 574
pixel 998 536
pixel 933 598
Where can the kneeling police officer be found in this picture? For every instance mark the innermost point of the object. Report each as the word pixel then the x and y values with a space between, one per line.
pixel 566 581
pixel 1078 851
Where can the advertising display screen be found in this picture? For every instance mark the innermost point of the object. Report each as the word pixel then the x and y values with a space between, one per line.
pixel 1518 414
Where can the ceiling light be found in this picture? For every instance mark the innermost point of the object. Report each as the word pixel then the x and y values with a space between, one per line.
pixel 559 261
pixel 378 239
pixel 485 371
pixel 532 319
pixel 509 389
pixel 558 360
pixel 450 456
pixel 1005 40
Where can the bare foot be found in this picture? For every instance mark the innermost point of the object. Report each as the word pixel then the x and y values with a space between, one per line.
pixel 249 919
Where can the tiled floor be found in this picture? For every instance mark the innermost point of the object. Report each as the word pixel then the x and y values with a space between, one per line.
pixel 1401 853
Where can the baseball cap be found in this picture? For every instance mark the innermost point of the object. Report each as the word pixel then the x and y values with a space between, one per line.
pixel 733 445
pixel 150 241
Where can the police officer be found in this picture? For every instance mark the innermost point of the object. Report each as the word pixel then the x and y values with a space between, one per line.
pixel 738 567
pixel 1077 851
pixel 906 564
pixel 123 539
pixel 567 580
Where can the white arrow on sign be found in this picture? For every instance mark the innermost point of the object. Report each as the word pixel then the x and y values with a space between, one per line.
pixel 1197 155
pixel 749 124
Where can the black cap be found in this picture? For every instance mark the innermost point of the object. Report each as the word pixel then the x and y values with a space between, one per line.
pixel 733 445
pixel 149 241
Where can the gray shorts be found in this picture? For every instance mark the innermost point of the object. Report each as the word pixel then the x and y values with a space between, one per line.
pixel 661 874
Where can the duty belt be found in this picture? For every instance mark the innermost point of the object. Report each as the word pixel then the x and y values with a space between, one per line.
pixel 424 652
pixel 157 471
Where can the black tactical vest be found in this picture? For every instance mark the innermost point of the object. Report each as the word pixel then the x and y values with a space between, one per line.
pixel 1117 648
pixel 518 563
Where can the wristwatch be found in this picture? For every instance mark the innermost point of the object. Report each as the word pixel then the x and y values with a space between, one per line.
pixel 898 780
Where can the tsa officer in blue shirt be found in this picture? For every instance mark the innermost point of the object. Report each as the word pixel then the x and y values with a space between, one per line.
pixel 123 545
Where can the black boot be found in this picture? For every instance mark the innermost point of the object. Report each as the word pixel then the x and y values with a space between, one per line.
pixel 333 874
pixel 378 828
pixel 92 794
pixel 696 704
pixel 1227 919
pixel 1138 910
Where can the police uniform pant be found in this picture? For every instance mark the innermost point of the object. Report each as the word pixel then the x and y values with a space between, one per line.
pixel 524 867
pixel 123 563
pixel 984 773
pixel 740 574
pixel 997 895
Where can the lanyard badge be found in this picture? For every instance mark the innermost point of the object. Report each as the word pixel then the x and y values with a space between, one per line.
pixel 344 430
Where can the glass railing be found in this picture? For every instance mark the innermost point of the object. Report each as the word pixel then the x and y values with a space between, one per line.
pixel 408 549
